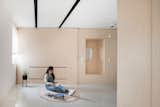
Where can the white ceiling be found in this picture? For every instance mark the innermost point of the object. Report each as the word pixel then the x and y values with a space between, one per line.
pixel 88 13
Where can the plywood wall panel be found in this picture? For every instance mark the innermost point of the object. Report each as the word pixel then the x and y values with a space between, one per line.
pixel 134 53
pixel 155 53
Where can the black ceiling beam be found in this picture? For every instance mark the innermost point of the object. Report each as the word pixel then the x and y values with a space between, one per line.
pixel 36 12
pixel 73 7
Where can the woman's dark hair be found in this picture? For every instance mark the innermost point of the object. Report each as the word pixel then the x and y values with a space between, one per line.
pixel 50 68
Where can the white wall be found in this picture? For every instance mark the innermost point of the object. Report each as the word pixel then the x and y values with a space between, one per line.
pixel 7 75
pixel 155 53
pixel 134 53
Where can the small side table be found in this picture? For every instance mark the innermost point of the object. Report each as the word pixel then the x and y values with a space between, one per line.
pixel 24 80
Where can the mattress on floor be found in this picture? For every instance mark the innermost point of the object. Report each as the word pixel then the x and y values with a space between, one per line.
pixel 49 95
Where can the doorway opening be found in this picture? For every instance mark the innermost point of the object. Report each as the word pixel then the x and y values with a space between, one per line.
pixel 95 56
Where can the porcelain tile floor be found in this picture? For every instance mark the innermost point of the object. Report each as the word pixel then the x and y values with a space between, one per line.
pixel 90 96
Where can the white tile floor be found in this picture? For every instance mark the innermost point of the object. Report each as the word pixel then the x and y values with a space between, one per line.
pixel 91 96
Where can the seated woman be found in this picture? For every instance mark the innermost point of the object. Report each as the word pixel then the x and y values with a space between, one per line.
pixel 49 79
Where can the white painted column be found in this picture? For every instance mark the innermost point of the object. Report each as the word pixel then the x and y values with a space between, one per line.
pixel 6 68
